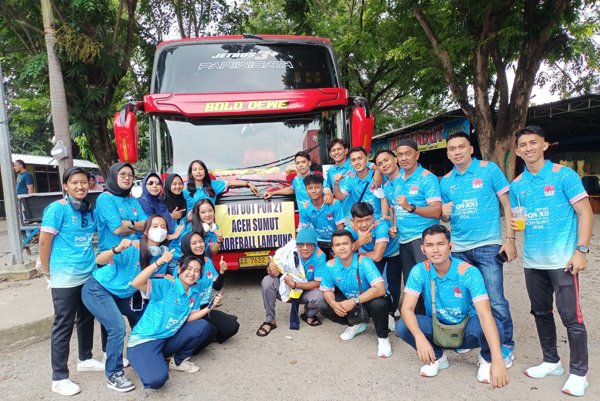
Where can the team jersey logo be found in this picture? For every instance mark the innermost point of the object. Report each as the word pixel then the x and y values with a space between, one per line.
pixel 477 183
pixel 311 268
pixel 549 190
pixel 457 292
pixel 414 190
pixel 452 188
pixel 329 216
pixel 209 274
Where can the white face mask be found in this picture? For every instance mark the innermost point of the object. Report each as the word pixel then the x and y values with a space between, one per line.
pixel 209 227
pixel 157 234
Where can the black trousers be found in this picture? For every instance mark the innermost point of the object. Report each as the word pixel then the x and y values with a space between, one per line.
pixel 223 326
pixel 68 310
pixel 542 286
pixel 410 255
pixel 376 308
pixel 393 276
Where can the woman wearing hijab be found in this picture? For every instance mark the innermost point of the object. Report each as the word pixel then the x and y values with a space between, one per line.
pixel 174 199
pixel 118 214
pixel 224 325
pixel 152 203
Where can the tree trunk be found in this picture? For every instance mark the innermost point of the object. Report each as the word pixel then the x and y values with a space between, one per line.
pixel 58 100
pixel 104 149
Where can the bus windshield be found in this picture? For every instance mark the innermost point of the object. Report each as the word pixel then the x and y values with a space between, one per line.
pixel 242 67
pixel 257 150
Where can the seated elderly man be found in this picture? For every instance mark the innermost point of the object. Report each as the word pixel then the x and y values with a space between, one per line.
pixel 313 260
pixel 354 292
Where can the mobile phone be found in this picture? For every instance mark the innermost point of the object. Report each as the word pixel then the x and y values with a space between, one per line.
pixel 502 257
pixel 212 301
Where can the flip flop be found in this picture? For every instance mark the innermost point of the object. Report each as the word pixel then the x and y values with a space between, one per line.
pixel 262 330
pixel 315 320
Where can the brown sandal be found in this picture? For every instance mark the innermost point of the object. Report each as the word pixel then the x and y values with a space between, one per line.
pixel 314 322
pixel 262 330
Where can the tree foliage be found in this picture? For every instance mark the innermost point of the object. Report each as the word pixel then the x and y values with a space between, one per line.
pixel 476 43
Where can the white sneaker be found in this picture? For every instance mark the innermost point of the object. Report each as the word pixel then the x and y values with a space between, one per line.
pixel 545 369
pixel 432 369
pixel 483 373
pixel 391 323
pixel 384 348
pixel 65 387
pixel 185 366
pixel 352 331
pixel 575 385
pixel 90 365
pixel 462 350
pixel 125 361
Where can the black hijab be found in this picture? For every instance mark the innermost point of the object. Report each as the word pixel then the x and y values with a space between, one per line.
pixel 186 249
pixel 169 198
pixel 112 185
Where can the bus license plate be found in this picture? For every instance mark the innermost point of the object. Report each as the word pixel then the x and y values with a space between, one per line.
pixel 246 262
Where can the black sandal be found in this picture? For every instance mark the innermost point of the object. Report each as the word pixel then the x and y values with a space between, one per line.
pixel 314 322
pixel 262 330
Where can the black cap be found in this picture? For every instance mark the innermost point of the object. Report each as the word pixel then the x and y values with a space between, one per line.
pixel 408 142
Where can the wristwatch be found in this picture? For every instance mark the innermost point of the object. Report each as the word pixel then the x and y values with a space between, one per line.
pixel 583 249
pixel 413 207
pixel 357 300
pixel 132 226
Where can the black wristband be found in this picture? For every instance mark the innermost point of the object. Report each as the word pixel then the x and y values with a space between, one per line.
pixel 413 207
pixel 114 250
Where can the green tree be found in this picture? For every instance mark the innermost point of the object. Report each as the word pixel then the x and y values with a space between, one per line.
pixel 475 44
pixel 94 42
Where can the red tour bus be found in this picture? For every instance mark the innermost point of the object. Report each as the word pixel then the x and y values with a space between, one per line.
pixel 245 105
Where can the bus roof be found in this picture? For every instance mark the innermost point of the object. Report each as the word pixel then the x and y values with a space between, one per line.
pixel 247 37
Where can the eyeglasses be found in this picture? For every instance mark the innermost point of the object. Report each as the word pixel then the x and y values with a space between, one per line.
pixel 125 175
pixel 154 183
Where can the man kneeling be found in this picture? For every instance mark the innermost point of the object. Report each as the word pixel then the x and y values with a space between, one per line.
pixel 351 283
pixel 313 260
pixel 459 293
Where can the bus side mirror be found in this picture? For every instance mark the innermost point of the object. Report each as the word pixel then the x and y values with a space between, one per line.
pixel 362 124
pixel 126 134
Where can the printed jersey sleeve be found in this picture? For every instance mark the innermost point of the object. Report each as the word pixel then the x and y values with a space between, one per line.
pixel 320 265
pixel 474 283
pixel 338 213
pixel 512 194
pixel 369 272
pixel 107 213
pixel 417 279
pixel 53 217
pixel 444 190
pixel 157 288
pixel 382 232
pixel 345 185
pixel 219 186
pixel 303 214
pixel 572 185
pixel 431 188
pixel 211 272
pixel 499 181
pixel 327 280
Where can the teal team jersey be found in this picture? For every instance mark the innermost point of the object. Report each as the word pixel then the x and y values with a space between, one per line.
pixel 475 217
pixel 72 258
pixel 455 293
pixel 551 224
